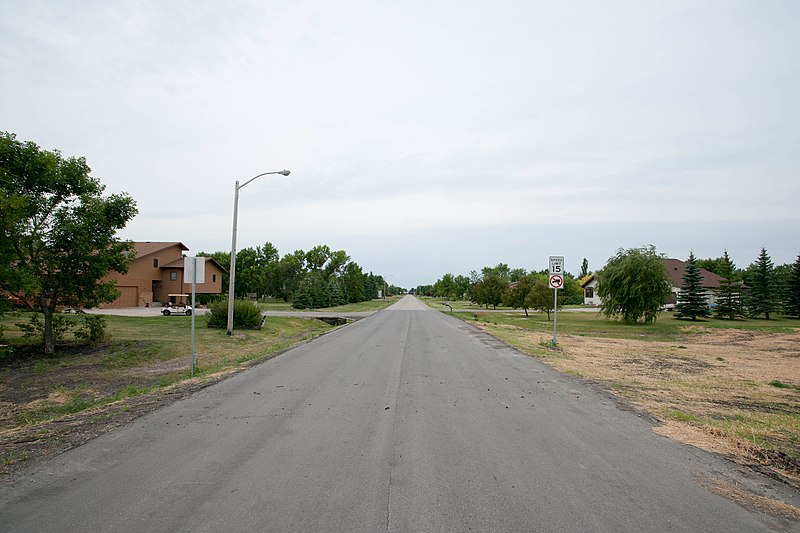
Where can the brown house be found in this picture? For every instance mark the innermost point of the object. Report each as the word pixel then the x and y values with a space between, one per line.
pixel 157 272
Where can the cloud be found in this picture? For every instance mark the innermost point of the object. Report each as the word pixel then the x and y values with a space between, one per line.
pixel 410 120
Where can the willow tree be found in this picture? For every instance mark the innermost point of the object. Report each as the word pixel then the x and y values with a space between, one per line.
pixel 634 285
pixel 58 231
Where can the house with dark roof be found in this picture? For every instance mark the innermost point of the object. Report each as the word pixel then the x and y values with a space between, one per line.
pixel 675 270
pixel 157 272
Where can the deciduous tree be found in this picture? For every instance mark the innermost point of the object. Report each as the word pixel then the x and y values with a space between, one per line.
pixel 633 285
pixel 58 232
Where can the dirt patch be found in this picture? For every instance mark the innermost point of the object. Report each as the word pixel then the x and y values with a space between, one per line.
pixel 749 499
pixel 27 444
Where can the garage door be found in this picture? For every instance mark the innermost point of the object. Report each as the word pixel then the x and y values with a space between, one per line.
pixel 128 298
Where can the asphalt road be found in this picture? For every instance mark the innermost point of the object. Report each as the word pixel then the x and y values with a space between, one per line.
pixel 408 420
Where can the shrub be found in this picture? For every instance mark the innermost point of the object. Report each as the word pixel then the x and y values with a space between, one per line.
pixel 246 314
pixel 92 330
pixel 34 328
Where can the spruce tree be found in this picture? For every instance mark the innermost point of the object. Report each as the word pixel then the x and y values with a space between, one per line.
pixel 793 293
pixel 729 304
pixel 692 301
pixel 762 298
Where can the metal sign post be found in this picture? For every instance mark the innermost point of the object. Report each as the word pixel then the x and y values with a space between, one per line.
pixel 555 315
pixel 194 290
pixel 198 275
pixel 556 282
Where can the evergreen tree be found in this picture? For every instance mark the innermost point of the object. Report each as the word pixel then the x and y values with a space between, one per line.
pixel 336 294
pixel 584 268
pixel 793 292
pixel 729 303
pixel 762 298
pixel 692 301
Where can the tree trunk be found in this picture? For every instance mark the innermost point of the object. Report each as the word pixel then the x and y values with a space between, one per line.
pixel 526 312
pixel 49 345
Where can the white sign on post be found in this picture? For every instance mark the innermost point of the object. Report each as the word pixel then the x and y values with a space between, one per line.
pixel 194 269
pixel 556 282
pixel 556 265
pixel 188 269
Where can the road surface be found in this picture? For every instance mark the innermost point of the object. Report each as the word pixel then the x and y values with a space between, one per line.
pixel 408 420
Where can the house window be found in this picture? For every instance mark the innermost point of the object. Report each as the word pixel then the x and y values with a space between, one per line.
pixel 588 292
pixel 214 278
pixel 155 263
pixel 173 276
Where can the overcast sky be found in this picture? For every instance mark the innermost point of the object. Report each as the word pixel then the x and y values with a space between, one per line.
pixel 426 137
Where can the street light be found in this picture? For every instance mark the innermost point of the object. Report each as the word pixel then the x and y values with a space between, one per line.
pixel 233 244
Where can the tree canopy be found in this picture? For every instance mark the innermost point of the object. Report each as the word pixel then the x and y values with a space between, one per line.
pixel 633 285
pixel 58 231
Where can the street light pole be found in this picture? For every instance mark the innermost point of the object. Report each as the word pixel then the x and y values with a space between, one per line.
pixel 232 278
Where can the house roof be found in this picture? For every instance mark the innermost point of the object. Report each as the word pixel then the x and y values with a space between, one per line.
pixel 178 263
pixel 143 248
pixel 676 268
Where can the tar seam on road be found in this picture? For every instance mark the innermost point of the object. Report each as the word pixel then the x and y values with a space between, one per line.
pixel 393 451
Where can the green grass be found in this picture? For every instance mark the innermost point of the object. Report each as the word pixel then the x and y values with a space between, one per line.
pixel 782 385
pixel 666 328
pixel 681 416
pixel 370 305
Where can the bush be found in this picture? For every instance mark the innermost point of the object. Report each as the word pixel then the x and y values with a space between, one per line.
pixel 207 299
pixel 246 314
pixel 34 328
pixel 93 329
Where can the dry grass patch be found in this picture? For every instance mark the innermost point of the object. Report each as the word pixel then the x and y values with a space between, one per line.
pixel 735 392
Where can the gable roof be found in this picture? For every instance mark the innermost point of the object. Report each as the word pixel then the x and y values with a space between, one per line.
pixel 178 263
pixel 676 268
pixel 143 248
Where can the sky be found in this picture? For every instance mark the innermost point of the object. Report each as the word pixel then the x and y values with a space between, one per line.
pixel 426 137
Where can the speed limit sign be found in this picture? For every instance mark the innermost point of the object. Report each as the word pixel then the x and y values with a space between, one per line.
pixel 557 265
pixel 556 281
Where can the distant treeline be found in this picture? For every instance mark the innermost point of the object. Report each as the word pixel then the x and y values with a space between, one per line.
pixel 495 286
pixel 320 277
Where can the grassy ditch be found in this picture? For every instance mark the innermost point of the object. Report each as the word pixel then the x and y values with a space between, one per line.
pixel 142 355
pixel 731 387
